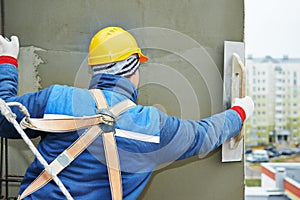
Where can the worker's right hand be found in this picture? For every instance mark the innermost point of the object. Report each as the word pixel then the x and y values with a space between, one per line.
pixel 246 104
pixel 9 48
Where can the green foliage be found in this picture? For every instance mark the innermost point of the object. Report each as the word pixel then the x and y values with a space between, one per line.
pixel 253 182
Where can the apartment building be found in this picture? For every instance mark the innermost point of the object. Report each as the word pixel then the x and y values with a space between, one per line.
pixel 274 85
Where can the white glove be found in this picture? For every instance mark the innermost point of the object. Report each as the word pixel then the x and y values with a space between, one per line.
pixel 9 48
pixel 246 104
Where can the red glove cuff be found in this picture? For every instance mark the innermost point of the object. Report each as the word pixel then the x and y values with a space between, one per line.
pixel 9 60
pixel 240 111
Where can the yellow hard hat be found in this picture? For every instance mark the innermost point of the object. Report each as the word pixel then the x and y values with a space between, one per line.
pixel 113 44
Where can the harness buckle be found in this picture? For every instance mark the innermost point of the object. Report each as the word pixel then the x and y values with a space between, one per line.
pixel 108 118
pixel 106 112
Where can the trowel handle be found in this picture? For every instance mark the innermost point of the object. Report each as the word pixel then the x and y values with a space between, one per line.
pixel 238 91
pixel 238 77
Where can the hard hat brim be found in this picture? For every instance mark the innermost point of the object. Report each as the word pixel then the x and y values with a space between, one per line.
pixel 143 58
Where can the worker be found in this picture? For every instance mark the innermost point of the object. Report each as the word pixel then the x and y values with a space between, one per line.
pixel 146 137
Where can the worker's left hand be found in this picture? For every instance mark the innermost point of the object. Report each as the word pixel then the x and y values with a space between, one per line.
pixel 9 48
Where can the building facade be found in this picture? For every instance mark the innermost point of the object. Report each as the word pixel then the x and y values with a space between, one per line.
pixel 274 85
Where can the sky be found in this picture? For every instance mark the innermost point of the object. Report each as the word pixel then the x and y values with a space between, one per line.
pixel 272 27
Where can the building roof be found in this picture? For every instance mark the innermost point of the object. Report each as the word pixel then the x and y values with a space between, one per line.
pixel 259 192
pixel 292 169
pixel 291 181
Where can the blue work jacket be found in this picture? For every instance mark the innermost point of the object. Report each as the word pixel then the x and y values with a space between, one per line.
pixel 146 137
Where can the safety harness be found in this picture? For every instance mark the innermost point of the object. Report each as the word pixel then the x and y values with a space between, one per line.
pixel 101 124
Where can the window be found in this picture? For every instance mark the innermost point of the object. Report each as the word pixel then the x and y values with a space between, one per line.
pixel 295 129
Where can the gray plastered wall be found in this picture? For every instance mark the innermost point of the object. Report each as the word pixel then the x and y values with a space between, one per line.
pixel 62 29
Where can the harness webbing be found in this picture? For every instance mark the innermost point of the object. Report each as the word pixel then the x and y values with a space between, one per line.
pixel 101 124
pixel 11 117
